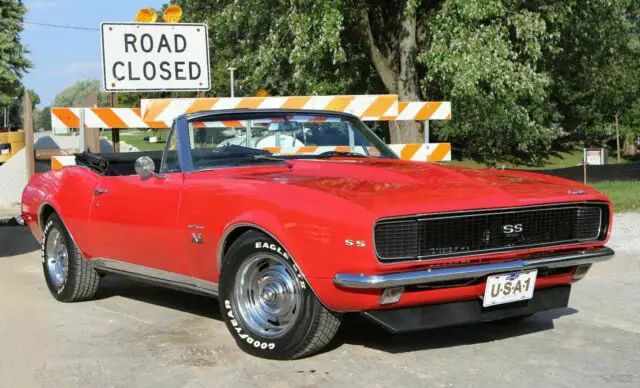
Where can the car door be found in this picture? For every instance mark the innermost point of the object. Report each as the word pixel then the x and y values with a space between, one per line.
pixel 134 220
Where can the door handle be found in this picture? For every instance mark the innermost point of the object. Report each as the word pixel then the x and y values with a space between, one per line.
pixel 98 192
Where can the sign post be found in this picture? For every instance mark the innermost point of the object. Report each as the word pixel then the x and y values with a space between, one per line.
pixel 155 57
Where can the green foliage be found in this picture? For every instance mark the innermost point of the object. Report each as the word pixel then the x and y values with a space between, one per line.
pixel 521 73
pixel 44 119
pixel 487 56
pixel 594 74
pixel 13 61
pixel 76 94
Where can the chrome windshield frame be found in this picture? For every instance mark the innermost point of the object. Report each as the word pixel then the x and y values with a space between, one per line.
pixel 181 128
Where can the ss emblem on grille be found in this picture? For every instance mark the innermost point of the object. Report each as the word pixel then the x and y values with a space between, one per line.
pixel 515 228
pixel 355 243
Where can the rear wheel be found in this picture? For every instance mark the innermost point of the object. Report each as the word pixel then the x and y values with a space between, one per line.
pixel 267 304
pixel 69 277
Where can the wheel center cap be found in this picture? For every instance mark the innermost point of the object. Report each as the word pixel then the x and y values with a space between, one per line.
pixel 269 294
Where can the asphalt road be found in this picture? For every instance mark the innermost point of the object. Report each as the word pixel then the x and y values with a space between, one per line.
pixel 143 336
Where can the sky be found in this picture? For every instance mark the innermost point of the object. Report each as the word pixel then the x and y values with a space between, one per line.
pixel 63 56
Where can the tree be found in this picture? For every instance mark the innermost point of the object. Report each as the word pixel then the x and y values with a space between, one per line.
pixel 44 119
pixel 76 94
pixel 13 61
pixel 519 72
pixel 596 81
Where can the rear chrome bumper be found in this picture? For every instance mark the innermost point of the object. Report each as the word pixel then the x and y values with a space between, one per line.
pixel 473 271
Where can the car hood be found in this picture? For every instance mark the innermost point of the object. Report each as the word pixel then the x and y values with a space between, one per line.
pixel 395 187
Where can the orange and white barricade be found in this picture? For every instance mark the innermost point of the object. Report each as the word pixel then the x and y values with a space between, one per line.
pixel 366 107
pixel 430 152
pixel 160 113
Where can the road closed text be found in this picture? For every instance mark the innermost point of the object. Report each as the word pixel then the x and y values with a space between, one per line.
pixel 150 70
pixel 155 57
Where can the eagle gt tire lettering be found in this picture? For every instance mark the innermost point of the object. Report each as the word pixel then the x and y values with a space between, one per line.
pixel 267 304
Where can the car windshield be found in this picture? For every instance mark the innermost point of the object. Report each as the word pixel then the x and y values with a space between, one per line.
pixel 258 138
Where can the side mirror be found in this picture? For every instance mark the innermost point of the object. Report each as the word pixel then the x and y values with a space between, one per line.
pixel 145 167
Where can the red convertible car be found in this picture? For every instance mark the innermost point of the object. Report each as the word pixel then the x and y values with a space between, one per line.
pixel 292 218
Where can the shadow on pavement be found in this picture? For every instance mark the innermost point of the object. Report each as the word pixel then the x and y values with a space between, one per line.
pixel 112 285
pixel 16 240
pixel 357 330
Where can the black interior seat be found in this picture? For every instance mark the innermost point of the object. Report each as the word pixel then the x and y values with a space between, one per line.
pixel 114 164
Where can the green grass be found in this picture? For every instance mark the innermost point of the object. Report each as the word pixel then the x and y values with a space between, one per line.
pixel 136 139
pixel 625 195
pixel 560 160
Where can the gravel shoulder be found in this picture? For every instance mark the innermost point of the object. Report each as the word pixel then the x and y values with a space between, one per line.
pixel 140 335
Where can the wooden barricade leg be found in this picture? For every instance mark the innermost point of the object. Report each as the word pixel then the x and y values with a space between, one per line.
pixel 27 123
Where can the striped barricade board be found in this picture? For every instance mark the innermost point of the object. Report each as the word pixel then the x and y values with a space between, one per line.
pixel 160 113
pixel 122 118
pixel 366 107
pixel 431 152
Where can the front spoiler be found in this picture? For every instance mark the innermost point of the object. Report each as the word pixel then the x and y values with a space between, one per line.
pixel 471 311
pixel 425 277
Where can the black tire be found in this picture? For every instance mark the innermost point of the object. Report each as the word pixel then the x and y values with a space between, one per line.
pixel 81 280
pixel 312 327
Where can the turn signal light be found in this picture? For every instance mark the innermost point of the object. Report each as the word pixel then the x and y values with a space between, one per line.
pixel 391 295
pixel 146 15
pixel 172 14
pixel 581 271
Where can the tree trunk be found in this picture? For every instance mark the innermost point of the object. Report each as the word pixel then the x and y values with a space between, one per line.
pixel 408 86
pixel 403 82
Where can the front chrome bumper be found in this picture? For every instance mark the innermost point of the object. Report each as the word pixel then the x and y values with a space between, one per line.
pixel 471 272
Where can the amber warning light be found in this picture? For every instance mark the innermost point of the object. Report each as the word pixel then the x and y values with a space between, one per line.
pixel 146 15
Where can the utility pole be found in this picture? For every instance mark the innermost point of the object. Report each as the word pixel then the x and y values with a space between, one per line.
pixel 233 80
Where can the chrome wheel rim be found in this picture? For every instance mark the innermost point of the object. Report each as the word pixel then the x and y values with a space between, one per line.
pixel 56 257
pixel 268 296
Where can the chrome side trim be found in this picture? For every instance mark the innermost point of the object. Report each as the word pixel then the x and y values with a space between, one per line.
pixel 170 279
pixel 471 272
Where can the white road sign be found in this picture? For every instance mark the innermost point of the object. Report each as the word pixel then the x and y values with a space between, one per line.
pixel 155 56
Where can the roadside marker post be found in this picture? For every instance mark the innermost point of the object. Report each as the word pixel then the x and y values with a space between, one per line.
pixel 27 123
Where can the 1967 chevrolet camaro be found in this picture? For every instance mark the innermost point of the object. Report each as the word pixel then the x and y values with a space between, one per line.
pixel 292 218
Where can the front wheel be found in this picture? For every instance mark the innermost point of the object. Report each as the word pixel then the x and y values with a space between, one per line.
pixel 267 304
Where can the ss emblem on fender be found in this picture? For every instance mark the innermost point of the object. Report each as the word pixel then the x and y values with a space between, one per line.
pixel 355 243
pixel 515 228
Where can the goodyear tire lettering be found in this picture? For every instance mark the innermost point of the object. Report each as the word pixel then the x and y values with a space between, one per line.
pixel 245 336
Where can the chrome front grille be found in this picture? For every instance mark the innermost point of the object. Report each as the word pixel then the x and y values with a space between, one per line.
pixel 468 233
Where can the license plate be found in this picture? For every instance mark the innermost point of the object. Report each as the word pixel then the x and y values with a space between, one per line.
pixel 510 287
